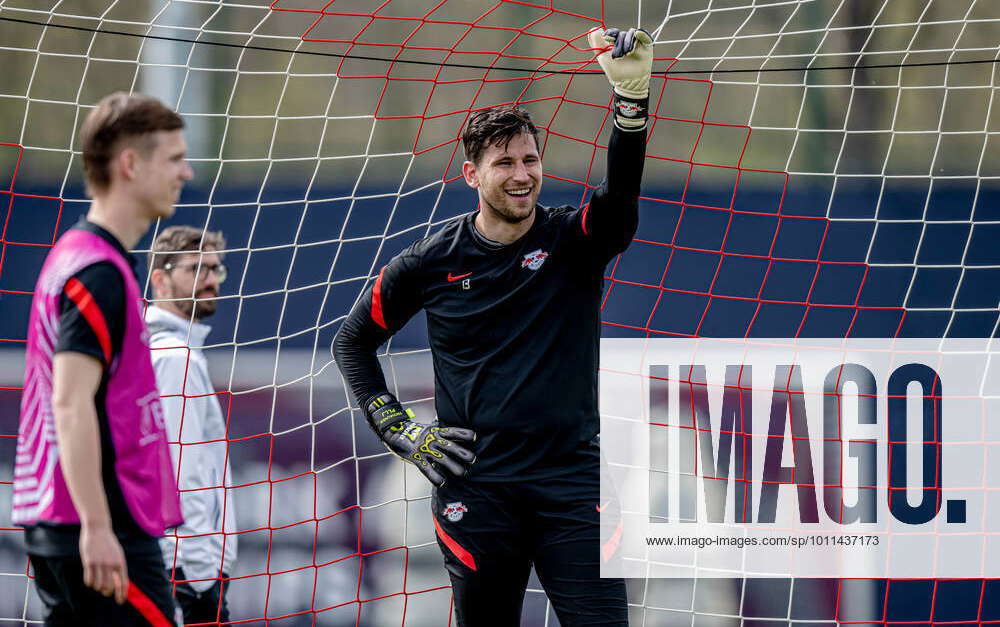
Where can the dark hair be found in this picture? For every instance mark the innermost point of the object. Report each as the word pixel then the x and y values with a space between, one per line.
pixel 174 241
pixel 495 127
pixel 121 119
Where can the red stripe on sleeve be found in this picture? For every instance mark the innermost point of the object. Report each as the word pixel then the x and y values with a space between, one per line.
pixel 377 301
pixel 149 610
pixel 85 302
pixel 456 548
pixel 583 219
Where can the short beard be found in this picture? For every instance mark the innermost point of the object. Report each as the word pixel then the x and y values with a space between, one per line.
pixel 507 216
pixel 202 308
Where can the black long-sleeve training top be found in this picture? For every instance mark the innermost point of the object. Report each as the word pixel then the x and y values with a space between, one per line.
pixel 514 329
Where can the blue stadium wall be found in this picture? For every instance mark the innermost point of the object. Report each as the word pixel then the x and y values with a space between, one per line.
pixel 954 256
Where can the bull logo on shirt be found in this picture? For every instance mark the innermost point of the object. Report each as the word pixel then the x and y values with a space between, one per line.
pixel 534 259
pixel 454 511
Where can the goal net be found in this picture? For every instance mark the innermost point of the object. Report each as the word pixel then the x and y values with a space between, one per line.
pixel 815 169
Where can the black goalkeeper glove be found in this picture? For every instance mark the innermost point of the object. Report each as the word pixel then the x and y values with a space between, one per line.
pixel 427 446
pixel 628 64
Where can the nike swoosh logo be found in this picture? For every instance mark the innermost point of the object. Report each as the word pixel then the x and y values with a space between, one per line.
pixel 456 277
pixel 600 508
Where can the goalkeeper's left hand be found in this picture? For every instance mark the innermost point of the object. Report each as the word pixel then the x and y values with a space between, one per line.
pixel 628 64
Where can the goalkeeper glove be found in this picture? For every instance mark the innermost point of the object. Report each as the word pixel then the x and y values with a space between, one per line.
pixel 427 446
pixel 628 66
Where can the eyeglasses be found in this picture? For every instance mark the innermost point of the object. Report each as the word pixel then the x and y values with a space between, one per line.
pixel 202 269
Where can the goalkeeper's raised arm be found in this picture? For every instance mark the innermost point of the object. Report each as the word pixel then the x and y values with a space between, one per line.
pixel 612 216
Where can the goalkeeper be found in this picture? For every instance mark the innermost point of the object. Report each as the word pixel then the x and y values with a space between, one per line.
pixel 512 294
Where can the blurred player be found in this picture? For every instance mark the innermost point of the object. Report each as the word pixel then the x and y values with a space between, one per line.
pixel 186 271
pixel 93 483
pixel 512 294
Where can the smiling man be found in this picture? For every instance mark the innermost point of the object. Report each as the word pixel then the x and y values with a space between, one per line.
pixel 186 272
pixel 512 294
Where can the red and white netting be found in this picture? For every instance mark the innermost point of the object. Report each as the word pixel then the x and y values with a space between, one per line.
pixel 846 185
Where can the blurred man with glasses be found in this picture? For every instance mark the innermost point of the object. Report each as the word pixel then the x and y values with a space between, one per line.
pixel 186 271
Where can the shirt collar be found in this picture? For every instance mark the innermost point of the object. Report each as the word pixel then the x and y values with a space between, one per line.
pixel 487 244
pixel 159 319
pixel 105 234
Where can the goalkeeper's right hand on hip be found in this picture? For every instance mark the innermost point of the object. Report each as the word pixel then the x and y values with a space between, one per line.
pixel 432 449
pixel 628 63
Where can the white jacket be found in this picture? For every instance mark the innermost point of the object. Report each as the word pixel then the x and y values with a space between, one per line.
pixel 195 420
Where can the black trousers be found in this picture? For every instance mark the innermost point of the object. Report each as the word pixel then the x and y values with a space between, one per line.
pixel 208 606
pixel 69 603
pixel 492 533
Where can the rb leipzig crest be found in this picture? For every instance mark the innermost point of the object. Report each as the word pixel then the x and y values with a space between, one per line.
pixel 534 259
pixel 454 511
